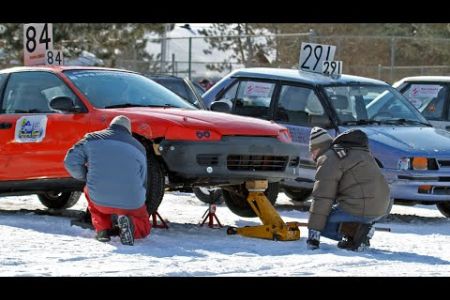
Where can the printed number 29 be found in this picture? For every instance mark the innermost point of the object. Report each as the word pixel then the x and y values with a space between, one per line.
pixel 317 51
pixel 31 38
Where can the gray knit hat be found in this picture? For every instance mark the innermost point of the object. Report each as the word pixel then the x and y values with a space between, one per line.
pixel 319 138
pixel 122 121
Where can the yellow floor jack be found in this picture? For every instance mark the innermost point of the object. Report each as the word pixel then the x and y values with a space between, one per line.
pixel 273 228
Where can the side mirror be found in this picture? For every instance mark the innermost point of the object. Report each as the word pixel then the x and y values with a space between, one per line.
pixel 320 121
pixel 222 106
pixel 64 104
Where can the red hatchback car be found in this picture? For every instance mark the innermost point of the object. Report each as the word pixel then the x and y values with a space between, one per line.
pixel 45 110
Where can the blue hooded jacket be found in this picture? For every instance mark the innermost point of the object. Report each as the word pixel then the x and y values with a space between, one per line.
pixel 113 164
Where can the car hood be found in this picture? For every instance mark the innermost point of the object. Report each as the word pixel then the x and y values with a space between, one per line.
pixel 222 123
pixel 420 139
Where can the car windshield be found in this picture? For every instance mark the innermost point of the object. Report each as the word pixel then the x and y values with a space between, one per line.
pixel 109 89
pixel 372 104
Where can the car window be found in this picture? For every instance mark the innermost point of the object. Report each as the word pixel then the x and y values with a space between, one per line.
pixel 386 105
pixel 111 89
pixel 230 94
pixel 429 99
pixel 176 86
pixel 253 99
pixel 2 79
pixel 297 105
pixel 31 92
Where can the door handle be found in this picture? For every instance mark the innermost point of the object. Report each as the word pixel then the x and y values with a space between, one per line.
pixel 447 127
pixel 5 125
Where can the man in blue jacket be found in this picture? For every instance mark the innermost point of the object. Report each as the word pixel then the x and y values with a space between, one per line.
pixel 114 166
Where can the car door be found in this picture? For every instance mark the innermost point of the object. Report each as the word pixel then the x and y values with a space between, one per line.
pixel 34 138
pixel 299 109
pixel 431 99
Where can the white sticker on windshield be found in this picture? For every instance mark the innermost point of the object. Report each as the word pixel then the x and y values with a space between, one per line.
pixel 30 129
pixel 258 89
pixel 424 90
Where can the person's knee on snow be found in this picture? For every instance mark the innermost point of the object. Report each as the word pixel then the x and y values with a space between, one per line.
pixel 114 158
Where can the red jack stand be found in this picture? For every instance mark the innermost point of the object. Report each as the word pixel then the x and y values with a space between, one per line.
pixel 155 224
pixel 211 214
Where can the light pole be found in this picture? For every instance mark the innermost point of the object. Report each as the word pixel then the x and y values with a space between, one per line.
pixel 163 48
pixel 188 27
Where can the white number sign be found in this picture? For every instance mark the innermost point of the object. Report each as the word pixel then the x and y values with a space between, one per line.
pixel 37 39
pixel 312 56
pixel 54 58
pixel 332 67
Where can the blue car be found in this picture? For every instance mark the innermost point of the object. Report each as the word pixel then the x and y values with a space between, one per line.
pixel 414 156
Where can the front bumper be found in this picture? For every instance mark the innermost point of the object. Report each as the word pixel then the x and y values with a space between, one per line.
pixel 424 186
pixel 232 160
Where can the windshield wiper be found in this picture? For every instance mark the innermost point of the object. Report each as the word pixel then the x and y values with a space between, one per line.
pixel 126 105
pixel 361 122
pixel 405 121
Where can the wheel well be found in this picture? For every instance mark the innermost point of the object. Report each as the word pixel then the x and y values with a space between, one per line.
pixel 149 147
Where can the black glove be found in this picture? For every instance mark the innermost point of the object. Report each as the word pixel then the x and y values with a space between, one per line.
pixel 313 240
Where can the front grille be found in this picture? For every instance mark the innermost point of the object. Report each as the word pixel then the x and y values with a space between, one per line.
pixel 256 162
pixel 444 163
pixel 207 159
pixel 294 161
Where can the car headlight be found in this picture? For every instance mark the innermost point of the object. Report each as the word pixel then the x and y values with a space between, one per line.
pixel 417 163
pixel 403 163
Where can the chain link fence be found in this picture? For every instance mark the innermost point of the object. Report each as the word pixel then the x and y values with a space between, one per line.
pixel 385 58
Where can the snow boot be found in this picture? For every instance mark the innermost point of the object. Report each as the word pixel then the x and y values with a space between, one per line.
pixel 126 230
pixel 356 236
pixel 103 236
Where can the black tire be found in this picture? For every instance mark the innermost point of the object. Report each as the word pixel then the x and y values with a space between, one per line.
pixel 299 195
pixel 444 208
pixel 209 196
pixel 59 200
pixel 236 199
pixel 155 183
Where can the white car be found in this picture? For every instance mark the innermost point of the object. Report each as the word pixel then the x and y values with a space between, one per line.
pixel 430 95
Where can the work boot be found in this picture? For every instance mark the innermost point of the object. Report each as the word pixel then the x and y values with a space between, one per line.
pixel 103 236
pixel 126 230
pixel 356 236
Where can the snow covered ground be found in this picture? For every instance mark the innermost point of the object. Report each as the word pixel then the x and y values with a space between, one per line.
pixel 42 245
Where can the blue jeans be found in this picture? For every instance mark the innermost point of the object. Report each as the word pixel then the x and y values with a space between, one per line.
pixel 338 216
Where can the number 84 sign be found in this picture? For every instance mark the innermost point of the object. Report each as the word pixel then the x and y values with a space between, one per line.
pixel 38 45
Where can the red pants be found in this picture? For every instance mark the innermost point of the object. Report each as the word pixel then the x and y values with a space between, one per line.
pixel 101 217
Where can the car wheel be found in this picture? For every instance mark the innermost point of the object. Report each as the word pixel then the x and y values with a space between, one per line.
pixel 59 200
pixel 209 195
pixel 155 183
pixel 236 198
pixel 299 195
pixel 444 208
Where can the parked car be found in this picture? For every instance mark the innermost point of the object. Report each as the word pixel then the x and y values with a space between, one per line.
pixel 45 110
pixel 430 95
pixel 182 87
pixel 414 156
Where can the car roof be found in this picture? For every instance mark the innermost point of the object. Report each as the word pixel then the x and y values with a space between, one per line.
pixel 426 79
pixel 58 69
pixel 303 76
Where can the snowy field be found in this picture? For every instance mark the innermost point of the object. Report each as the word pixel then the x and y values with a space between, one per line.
pixel 42 245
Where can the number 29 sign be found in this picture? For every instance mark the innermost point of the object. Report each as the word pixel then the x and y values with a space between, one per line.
pixel 38 38
pixel 313 56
